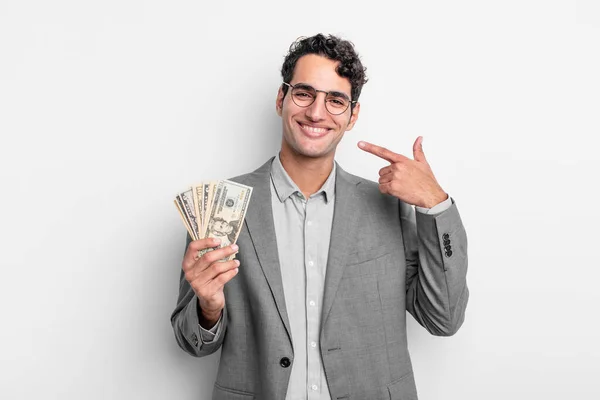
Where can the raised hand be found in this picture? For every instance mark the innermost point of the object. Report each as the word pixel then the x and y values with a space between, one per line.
pixel 208 275
pixel 412 181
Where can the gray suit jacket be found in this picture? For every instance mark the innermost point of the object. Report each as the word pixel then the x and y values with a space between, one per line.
pixel 384 259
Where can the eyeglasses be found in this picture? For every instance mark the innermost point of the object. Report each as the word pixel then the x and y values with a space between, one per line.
pixel 304 95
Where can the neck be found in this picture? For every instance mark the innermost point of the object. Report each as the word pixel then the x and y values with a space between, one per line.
pixel 308 173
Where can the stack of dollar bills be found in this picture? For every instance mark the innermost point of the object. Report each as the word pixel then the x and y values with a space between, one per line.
pixel 214 209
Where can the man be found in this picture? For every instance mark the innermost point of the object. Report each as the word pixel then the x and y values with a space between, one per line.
pixel 315 305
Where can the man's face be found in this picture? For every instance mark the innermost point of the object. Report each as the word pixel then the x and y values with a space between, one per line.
pixel 312 131
pixel 222 226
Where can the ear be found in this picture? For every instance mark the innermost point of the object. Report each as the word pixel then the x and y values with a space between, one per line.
pixel 353 116
pixel 279 100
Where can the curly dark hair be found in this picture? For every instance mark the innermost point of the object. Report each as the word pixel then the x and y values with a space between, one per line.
pixel 335 49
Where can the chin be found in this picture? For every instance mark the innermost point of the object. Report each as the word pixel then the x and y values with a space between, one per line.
pixel 312 151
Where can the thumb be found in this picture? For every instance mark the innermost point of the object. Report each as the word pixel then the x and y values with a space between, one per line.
pixel 418 153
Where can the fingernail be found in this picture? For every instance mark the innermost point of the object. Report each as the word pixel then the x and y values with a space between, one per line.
pixel 361 144
pixel 234 247
pixel 237 262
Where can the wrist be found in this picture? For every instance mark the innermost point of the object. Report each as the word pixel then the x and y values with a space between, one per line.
pixel 208 319
pixel 435 200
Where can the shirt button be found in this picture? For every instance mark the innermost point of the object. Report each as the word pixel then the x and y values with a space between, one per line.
pixel 314 387
pixel 310 263
pixel 309 223
pixel 312 303
pixel 313 344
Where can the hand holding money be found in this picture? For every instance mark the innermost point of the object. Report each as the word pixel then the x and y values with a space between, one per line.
pixel 213 214
pixel 208 275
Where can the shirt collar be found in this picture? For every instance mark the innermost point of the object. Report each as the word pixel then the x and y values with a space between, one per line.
pixel 285 186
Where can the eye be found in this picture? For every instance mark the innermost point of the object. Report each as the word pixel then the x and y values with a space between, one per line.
pixel 303 94
pixel 337 102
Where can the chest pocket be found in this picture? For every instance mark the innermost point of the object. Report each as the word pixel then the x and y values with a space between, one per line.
pixel 369 261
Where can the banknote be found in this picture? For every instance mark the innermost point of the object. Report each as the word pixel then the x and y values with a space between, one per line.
pixel 228 210
pixel 199 205
pixel 207 193
pixel 214 209
pixel 187 200
pixel 183 216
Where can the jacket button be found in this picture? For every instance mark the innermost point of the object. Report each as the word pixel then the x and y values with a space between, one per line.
pixel 285 362
pixel 445 236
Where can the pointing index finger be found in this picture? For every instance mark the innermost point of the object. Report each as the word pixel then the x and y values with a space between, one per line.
pixel 381 152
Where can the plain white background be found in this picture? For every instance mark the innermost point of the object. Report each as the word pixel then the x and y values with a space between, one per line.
pixel 108 109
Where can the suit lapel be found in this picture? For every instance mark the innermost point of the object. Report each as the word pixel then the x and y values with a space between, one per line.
pixel 343 236
pixel 259 220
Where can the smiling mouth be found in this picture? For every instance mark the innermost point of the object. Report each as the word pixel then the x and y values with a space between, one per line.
pixel 313 131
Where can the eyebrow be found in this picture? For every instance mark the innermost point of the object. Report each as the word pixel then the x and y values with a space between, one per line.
pixel 339 94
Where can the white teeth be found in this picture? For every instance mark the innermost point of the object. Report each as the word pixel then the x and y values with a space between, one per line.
pixel 314 129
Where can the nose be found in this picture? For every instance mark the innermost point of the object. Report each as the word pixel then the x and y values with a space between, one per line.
pixel 317 111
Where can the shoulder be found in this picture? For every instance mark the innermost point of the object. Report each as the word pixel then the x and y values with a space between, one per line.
pixel 368 192
pixel 241 178
pixel 251 177
pixel 362 185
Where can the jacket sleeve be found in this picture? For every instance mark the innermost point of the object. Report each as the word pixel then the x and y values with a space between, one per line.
pixel 185 321
pixel 435 246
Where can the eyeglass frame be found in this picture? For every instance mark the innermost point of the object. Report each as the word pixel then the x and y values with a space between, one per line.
pixel 292 87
